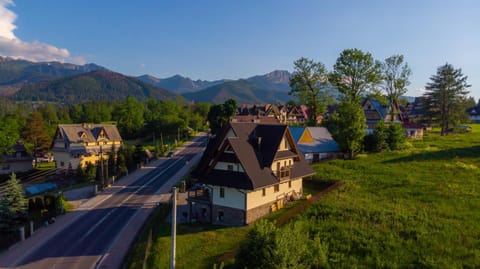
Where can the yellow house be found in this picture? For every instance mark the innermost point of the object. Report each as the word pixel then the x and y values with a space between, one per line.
pixel 246 172
pixel 78 144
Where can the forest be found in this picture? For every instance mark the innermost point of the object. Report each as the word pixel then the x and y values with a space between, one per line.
pixel 35 123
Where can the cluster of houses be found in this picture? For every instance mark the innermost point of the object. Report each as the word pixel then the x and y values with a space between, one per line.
pixel 374 111
pixel 254 166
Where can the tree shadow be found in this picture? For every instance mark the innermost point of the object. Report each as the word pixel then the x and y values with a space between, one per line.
pixel 441 155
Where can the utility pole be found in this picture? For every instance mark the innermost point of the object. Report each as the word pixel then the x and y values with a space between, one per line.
pixel 101 166
pixel 161 139
pixel 174 227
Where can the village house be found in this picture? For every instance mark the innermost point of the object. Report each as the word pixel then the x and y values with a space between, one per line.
pixel 16 159
pixel 246 172
pixel 376 112
pixel 474 113
pixel 78 144
pixel 284 114
pixel 316 143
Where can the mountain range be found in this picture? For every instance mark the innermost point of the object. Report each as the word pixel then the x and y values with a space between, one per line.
pixel 179 84
pixel 15 73
pixel 69 83
pixel 95 85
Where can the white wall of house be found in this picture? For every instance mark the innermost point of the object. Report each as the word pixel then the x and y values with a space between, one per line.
pixel 233 197
pixel 256 198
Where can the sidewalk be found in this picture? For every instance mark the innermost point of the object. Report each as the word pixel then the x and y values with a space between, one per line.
pixel 119 248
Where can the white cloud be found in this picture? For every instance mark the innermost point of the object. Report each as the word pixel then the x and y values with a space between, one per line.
pixel 13 47
pixel 419 91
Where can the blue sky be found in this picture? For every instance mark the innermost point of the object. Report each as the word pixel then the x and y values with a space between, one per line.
pixel 238 39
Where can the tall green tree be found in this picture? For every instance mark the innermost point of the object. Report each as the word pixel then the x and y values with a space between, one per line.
pixel 129 117
pixel 9 131
pixel 348 127
pixel 219 115
pixel 36 132
pixel 13 205
pixel 309 82
pixel 355 73
pixel 396 73
pixel 444 94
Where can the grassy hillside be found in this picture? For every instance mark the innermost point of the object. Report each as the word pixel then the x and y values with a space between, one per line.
pixel 417 208
pixel 412 209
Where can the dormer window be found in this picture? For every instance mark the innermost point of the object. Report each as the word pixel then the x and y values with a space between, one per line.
pixel 82 135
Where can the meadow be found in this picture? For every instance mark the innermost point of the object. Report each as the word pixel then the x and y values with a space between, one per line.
pixel 417 208
pixel 414 208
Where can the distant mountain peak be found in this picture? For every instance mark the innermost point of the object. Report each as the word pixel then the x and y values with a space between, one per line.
pixel 278 76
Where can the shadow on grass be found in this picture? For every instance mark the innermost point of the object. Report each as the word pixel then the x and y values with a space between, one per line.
pixel 441 155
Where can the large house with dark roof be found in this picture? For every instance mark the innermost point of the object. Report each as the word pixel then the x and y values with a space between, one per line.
pixel 78 144
pixel 246 172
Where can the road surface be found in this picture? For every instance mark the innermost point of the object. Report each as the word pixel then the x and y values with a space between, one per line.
pixel 86 242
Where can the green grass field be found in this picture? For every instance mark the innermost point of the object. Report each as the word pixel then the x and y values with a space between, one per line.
pixel 416 208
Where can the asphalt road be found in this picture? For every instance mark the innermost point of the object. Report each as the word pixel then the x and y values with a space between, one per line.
pixel 83 243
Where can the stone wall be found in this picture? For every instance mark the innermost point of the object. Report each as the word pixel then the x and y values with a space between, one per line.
pixel 258 212
pixel 223 215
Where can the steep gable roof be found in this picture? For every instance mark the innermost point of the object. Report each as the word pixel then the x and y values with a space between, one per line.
pixel 256 147
pixel 74 133
pixel 322 140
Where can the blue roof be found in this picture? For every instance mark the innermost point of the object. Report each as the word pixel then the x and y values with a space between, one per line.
pixel 40 188
pixel 323 141
pixel 296 132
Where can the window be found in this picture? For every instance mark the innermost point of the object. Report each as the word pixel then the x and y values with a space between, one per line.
pixel 222 192
pixel 276 188
pixel 264 192
pixel 62 164
pixel 220 215
pixel 289 184
pixel 230 167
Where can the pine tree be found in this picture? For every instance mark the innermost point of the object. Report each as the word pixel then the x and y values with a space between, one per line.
pixel 13 205
pixel 444 93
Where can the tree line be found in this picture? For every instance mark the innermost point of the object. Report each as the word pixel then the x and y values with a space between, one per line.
pixel 356 74
pixel 35 123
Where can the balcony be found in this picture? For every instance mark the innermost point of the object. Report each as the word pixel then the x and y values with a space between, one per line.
pixel 199 195
pixel 283 173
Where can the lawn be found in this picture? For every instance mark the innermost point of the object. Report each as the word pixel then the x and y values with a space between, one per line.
pixel 416 208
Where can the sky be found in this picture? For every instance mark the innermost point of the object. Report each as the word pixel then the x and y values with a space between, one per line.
pixel 231 39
